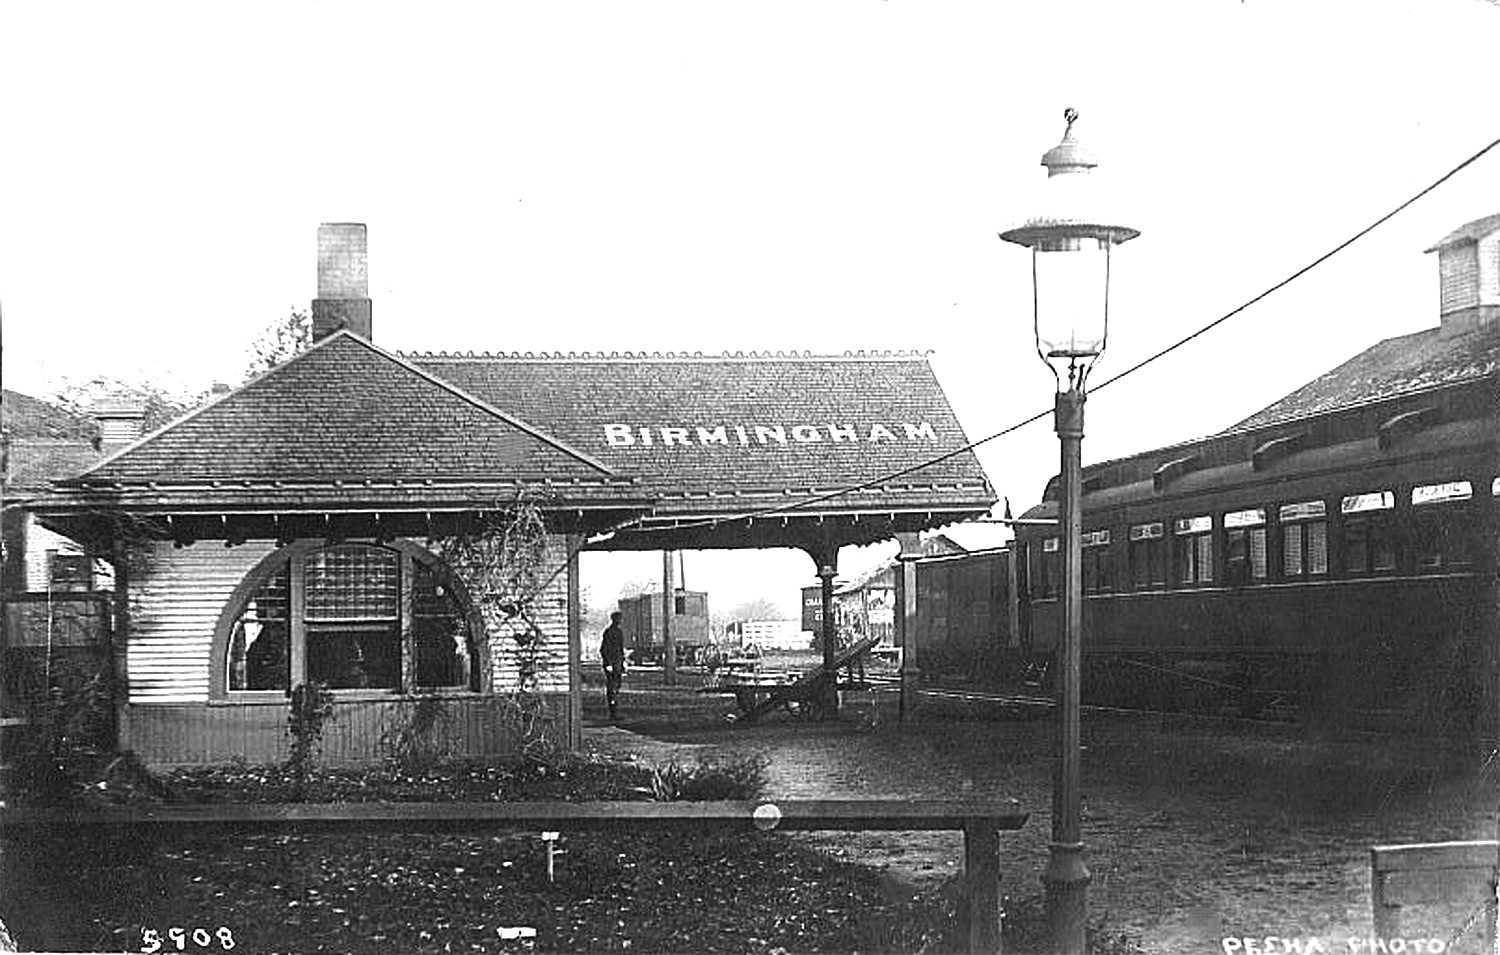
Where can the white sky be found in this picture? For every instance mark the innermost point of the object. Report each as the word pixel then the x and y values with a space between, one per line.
pixel 719 176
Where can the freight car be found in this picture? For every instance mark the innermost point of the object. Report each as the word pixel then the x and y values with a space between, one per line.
pixel 642 618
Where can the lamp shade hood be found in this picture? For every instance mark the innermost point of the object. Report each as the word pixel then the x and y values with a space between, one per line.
pixel 1072 204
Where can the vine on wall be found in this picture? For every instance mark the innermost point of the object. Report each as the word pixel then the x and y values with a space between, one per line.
pixel 502 562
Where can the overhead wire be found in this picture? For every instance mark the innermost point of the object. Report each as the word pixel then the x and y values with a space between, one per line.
pixel 813 499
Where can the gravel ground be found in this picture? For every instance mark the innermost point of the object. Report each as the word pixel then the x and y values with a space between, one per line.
pixel 1197 832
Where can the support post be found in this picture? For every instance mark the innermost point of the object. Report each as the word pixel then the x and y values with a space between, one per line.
pixel 827 568
pixel 982 881
pixel 119 640
pixel 906 623
pixel 1066 876
pixel 668 634
pixel 575 645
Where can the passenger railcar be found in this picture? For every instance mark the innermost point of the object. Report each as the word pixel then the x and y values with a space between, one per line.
pixel 1337 568
pixel 1337 565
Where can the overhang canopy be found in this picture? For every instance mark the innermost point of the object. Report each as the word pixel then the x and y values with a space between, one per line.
pixel 668 452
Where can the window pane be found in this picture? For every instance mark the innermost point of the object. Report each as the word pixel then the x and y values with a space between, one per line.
pixel 1258 553
pixel 441 634
pixel 1356 548
pixel 1291 550
pixel 1317 548
pixel 1374 501
pixel 354 656
pixel 353 582
pixel 258 658
pixel 1439 493
pixel 1205 547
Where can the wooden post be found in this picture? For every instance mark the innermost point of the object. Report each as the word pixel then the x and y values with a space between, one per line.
pixel 119 641
pixel 906 622
pixel 827 568
pixel 982 881
pixel 575 645
pixel 668 634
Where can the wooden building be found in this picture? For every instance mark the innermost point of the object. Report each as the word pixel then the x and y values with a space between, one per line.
pixel 301 527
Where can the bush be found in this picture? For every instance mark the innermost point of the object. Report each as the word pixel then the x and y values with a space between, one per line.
pixel 312 707
pixel 418 735
pixel 712 778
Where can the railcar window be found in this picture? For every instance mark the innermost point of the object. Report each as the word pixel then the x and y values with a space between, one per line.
pixel 1194 549
pixel 1304 539
pixel 1245 545
pixel 1148 556
pixel 1369 533
pixel 1096 563
pixel 1443 525
pixel 1047 569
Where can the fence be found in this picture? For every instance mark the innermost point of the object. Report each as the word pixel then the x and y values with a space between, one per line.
pixel 981 822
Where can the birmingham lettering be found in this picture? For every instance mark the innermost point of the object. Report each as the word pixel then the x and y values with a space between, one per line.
pixel 749 435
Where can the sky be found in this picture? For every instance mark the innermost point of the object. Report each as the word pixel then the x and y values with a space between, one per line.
pixel 691 176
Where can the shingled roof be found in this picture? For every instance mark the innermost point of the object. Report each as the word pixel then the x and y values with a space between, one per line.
pixel 42 442
pixel 343 421
pixel 711 434
pixel 1396 366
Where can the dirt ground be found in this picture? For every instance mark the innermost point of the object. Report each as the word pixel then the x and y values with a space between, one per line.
pixel 1196 832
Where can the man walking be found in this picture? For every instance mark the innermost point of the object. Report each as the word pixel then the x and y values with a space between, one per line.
pixel 612 652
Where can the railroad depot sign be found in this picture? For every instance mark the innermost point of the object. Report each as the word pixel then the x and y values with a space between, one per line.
pixel 759 435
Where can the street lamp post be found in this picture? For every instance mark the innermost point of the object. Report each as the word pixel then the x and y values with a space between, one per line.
pixel 1070 240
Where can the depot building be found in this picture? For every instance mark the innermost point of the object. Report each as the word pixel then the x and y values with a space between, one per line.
pixel 318 524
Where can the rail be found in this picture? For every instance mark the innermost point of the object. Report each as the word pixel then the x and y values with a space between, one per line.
pixel 981 822
pixel 1429 872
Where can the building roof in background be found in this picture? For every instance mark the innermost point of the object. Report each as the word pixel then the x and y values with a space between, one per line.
pixel 1469 232
pixel 1396 366
pixel 42 442
pixel 726 434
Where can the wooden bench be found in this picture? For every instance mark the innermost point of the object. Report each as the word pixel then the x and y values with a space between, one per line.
pixel 1430 872
pixel 981 822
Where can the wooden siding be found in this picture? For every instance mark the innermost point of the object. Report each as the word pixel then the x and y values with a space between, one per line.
pixel 206 733
pixel 174 607
pixel 550 613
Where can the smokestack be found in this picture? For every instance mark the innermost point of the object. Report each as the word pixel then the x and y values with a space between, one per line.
pixel 343 289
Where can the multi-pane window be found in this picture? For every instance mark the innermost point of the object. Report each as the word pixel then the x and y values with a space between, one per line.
pixel 1194 551
pixel 1245 545
pixel 1304 539
pixel 1096 563
pixel 353 617
pixel 259 654
pixel 343 625
pixel 440 634
pixel 1148 556
pixel 1369 545
pixel 1443 525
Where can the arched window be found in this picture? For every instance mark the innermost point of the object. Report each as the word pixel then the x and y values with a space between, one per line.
pixel 354 616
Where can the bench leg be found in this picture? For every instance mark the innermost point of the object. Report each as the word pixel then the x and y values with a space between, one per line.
pixel 982 881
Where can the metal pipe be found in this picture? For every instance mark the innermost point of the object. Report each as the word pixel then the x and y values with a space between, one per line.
pixel 1066 876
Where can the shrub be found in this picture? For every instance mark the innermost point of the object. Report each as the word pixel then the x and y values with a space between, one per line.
pixel 312 707
pixel 711 778
pixel 419 734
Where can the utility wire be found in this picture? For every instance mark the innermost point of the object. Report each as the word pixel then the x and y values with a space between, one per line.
pixel 840 492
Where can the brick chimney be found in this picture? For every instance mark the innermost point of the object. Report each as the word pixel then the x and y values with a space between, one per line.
pixel 343 290
pixel 1469 276
pixel 120 421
